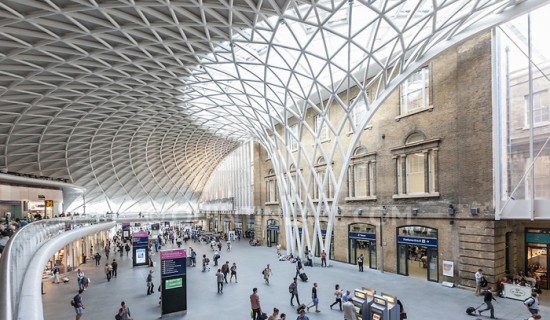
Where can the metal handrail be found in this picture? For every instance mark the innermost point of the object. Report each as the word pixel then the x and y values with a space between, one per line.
pixel 18 253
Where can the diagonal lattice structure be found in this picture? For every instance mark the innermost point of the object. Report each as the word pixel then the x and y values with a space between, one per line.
pixel 138 101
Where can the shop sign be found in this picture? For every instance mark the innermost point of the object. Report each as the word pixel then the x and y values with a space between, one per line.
pixel 531 237
pixel 362 235
pixel 273 228
pixel 417 241
pixel 48 203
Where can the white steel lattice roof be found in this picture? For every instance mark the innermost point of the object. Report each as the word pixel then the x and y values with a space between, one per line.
pixel 138 101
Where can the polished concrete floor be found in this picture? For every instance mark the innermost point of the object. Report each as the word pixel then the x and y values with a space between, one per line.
pixel 421 299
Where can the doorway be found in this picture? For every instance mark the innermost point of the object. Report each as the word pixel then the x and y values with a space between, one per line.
pixel 417 252
pixel 272 232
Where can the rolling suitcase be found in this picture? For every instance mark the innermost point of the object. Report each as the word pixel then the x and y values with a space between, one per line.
pixel 303 276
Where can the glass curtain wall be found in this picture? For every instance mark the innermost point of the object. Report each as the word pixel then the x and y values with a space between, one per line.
pixel 522 157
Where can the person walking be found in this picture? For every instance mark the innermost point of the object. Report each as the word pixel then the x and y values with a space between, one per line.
pixel 479 279
pixel 56 272
pixel 488 299
pixel 349 310
pixel 255 304
pixel 360 261
pixel 293 289
pixel 532 303
pixel 298 266
pixel 274 315
pixel 108 271
pixel 127 247
pixel 346 296
pixel 233 270
pixel 79 277
pixel 314 298
pixel 225 270
pixel 78 306
pixel 97 258
pixel 124 312
pixel 150 285
pixel 323 259
pixel 267 272
pixel 302 315
pixel 338 296
pixel 114 265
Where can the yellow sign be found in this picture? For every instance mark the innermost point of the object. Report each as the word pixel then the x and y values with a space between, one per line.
pixel 48 203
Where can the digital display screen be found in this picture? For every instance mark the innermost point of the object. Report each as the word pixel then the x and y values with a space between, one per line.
pixel 360 294
pixel 376 317
pixel 140 256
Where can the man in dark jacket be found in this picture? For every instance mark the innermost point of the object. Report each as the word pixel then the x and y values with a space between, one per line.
pixel 488 299
pixel 115 267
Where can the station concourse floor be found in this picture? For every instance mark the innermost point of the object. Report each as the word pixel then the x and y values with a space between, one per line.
pixel 422 299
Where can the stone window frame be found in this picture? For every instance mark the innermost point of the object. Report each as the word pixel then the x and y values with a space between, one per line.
pixel 430 149
pixel 321 166
pixel 368 158
pixel 403 110
pixel 320 124
pixel 271 182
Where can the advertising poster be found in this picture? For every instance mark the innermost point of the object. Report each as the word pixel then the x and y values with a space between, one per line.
pixel 140 256
pixel 448 268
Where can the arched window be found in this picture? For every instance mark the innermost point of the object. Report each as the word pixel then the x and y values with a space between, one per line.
pixel 416 167
pixel 272 193
pixel 323 185
pixel 362 175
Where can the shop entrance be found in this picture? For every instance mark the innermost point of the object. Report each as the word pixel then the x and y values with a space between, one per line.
pixel 362 240
pixel 417 252
pixel 272 232
pixel 537 242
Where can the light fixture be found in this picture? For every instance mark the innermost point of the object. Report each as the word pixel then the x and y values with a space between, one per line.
pixel 262 211
pixel 384 210
pixel 474 211
pixel 451 210
pixel 414 211
pixel 360 212
pixel 339 210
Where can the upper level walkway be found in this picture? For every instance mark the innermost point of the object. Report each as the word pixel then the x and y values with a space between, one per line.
pixel 421 299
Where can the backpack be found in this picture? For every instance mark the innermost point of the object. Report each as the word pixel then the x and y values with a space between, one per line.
pixel 118 317
pixel 291 287
pixel 72 303
pixel 529 301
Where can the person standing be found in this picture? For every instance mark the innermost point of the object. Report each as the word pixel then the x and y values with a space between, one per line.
pixel 79 277
pixel 532 303
pixel 293 289
pixel 150 285
pixel 97 258
pixel 233 272
pixel 349 310
pixel 219 277
pixel 314 298
pixel 337 296
pixel 488 299
pixel 78 306
pixel 255 304
pixel 225 270
pixel 56 272
pixel 479 278
pixel 267 272
pixel 360 261
pixel 108 271
pixel 114 265
pixel 346 296
pixel 127 249
pixel 323 259
pixel 124 312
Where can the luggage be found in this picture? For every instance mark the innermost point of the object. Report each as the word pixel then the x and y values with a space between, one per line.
pixel 263 316
pixel 471 310
pixel 303 276
pixel 300 308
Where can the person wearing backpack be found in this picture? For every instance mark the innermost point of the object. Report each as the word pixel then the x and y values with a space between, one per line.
pixel 77 304
pixel 293 290
pixel 532 303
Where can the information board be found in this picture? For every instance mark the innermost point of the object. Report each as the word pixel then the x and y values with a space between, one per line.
pixel 140 248
pixel 174 281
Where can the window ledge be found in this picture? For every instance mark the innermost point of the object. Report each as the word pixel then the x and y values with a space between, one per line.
pixel 369 198
pixel 368 127
pixel 537 125
pixel 417 195
pixel 317 200
pixel 271 203
pixel 430 108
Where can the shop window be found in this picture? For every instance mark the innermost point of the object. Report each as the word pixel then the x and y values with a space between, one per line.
pixel 362 175
pixel 321 172
pixel 541 109
pixel 416 167
pixel 321 127
pixel 271 187
pixel 415 92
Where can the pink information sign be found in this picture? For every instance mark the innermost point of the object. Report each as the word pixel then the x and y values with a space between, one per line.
pixel 172 254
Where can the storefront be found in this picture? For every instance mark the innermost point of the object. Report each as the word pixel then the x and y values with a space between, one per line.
pixel 238 225
pixel 249 233
pixel 323 225
pixel 273 230
pixel 417 252
pixel 362 240
pixel 537 242
pixel 227 224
